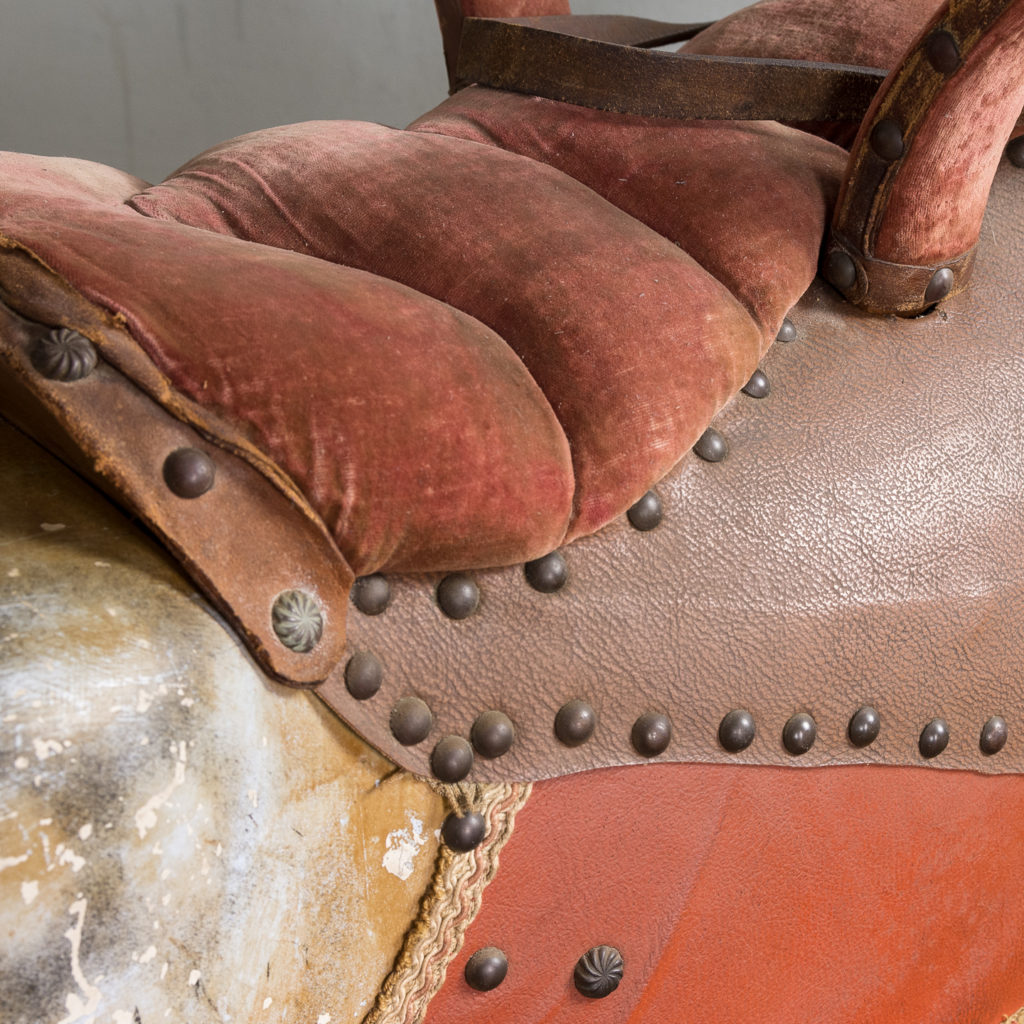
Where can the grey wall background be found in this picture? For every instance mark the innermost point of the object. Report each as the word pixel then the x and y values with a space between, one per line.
pixel 145 84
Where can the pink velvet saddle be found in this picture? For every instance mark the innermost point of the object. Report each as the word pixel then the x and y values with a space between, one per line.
pixel 644 426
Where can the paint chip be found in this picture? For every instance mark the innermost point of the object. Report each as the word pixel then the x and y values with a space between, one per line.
pixel 324 1018
pixel 267 1002
pixel 402 846
pixel 29 891
pixel 193 978
pixel 13 573
pixel 85 831
pixel 150 954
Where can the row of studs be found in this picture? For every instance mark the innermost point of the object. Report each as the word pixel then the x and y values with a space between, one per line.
pixel 597 973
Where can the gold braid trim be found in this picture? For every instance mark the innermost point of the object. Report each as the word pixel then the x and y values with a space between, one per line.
pixel 1017 1018
pixel 451 903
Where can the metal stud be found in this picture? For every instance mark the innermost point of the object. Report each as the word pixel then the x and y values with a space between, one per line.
pixel 1015 151
pixel 297 620
pixel 942 52
pixel 492 734
pixel 486 969
pixel 652 733
pixel 63 355
pixel 864 727
pixel 452 759
pixel 757 386
pixel 598 972
pixel 887 140
pixel 411 721
pixel 575 723
pixel 934 738
pixel 646 513
pixel 363 675
pixel 464 832
pixel 787 332
pixel 371 594
pixel 188 472
pixel 939 287
pixel 840 270
pixel 711 446
pixel 458 595
pixel 547 574
pixel 994 735
pixel 799 734
pixel 737 731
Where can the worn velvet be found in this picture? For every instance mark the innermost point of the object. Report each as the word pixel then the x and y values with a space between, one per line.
pixel 415 432
pixel 748 200
pixel 938 199
pixel 635 346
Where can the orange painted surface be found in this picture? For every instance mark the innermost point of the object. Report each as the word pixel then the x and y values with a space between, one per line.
pixel 872 895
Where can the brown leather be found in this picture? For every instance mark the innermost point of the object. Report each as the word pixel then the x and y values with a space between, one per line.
pixel 281 548
pixel 863 543
pixel 915 195
pixel 840 896
pixel 522 57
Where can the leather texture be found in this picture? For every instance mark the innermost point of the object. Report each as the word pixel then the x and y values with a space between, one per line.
pixel 861 544
pixel 859 895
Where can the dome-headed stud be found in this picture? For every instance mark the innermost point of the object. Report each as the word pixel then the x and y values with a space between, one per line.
pixel 864 727
pixel 646 513
pixel 840 270
pixel 452 759
pixel 371 594
pixel 939 286
pixel 298 620
pixel 63 355
pixel 887 140
pixel 492 734
pixel 757 386
pixel 547 574
pixel 994 735
pixel 1015 151
pixel 942 52
pixel 411 721
pixel 464 832
pixel 575 723
pixel 711 446
pixel 363 675
pixel 934 738
pixel 598 972
pixel 652 733
pixel 486 969
pixel 189 473
pixel 799 734
pixel 787 332
pixel 737 731
pixel 458 596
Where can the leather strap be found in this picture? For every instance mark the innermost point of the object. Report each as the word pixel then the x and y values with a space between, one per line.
pixel 520 56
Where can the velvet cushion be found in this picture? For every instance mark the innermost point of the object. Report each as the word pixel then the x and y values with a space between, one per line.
pixel 634 345
pixel 414 431
pixel 748 200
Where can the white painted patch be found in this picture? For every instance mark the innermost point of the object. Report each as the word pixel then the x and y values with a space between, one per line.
pixel 150 954
pixel 77 1007
pixel 267 1003
pixel 143 702
pixel 324 1018
pixel 13 573
pixel 52 527
pixel 12 862
pixel 21 763
pixel 186 702
pixel 65 855
pixel 145 816
pixel 102 565
pixel 163 970
pixel 29 891
pixel 85 831
pixel 47 748
pixel 122 1017
pixel 402 846
pixel 193 978
pixel 254 797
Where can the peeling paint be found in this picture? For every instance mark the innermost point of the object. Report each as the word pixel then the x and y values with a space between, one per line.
pixel 47 748
pixel 12 862
pixel 29 891
pixel 145 816
pixel 402 846
pixel 76 1007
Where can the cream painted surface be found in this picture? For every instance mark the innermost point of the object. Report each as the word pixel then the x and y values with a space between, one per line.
pixel 180 839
